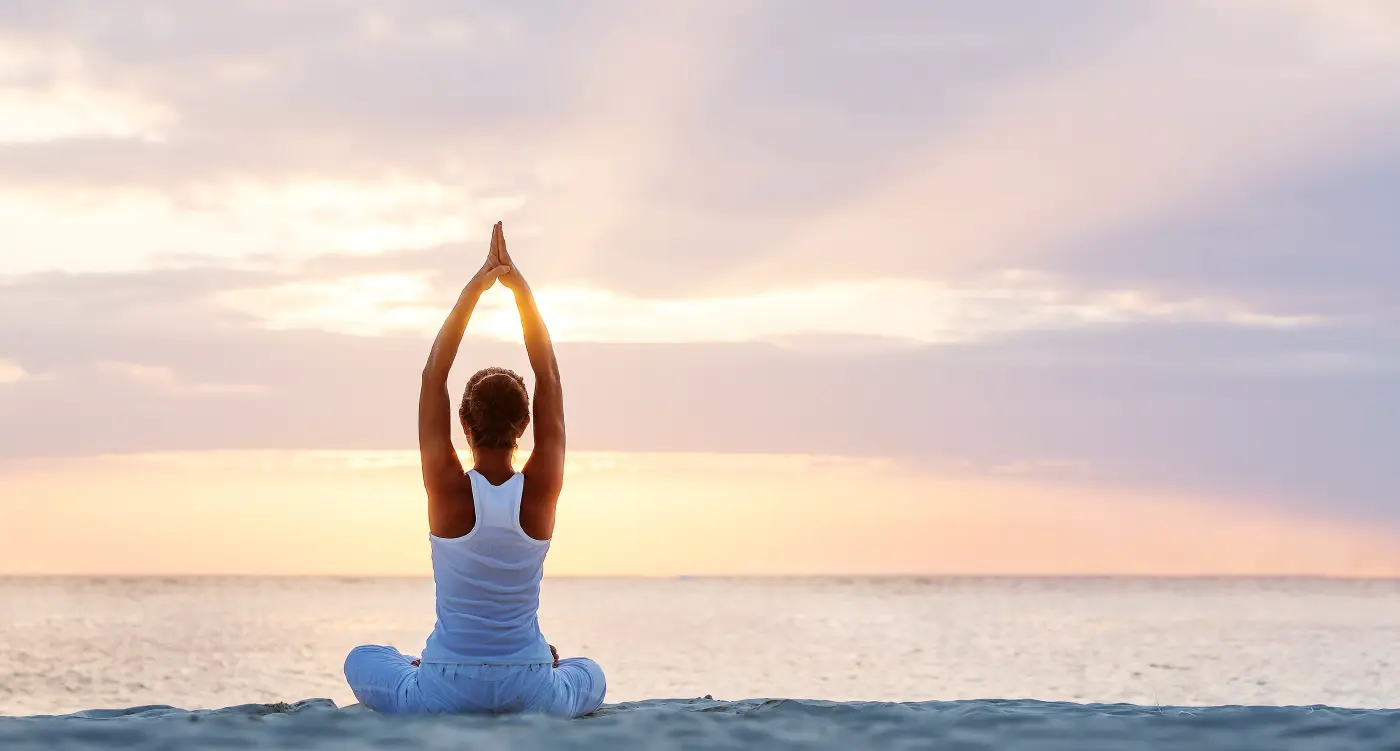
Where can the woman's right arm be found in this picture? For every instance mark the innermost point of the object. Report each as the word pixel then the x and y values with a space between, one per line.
pixel 442 470
pixel 545 468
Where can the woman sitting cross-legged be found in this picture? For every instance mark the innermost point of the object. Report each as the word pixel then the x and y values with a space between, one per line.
pixel 489 530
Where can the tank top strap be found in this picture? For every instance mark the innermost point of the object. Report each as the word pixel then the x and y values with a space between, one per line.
pixel 497 506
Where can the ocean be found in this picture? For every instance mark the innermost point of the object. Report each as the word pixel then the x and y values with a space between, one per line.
pixel 74 644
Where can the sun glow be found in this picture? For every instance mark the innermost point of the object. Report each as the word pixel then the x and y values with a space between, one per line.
pixel 339 512
pixel 911 310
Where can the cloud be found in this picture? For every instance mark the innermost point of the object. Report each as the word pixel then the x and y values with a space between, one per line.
pixel 1148 245
pixel 72 112
pixel 165 379
pixel 49 93
pixel 696 149
pixel 1297 416
pixel 1324 242
pixel 237 219
pixel 1172 113
pixel 12 372
pixel 892 308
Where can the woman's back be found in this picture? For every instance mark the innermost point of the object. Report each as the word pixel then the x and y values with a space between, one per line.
pixel 488 584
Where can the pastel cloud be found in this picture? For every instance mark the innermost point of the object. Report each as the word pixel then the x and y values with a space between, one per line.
pixel 691 149
pixel 1191 404
pixel 12 372
pixel 899 309
pixel 1186 110
pixel 165 379
pixel 113 229
pixel 1146 246
pixel 49 93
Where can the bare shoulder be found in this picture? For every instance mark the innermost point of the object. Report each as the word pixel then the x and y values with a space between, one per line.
pixel 451 512
pixel 538 501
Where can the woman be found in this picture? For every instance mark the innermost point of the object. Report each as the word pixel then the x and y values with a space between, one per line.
pixel 489 531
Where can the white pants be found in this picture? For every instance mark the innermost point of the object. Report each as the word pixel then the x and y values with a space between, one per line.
pixel 385 680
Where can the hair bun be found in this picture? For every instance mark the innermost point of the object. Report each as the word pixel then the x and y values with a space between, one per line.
pixel 495 408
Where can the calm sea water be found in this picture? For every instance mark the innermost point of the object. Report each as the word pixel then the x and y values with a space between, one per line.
pixel 71 644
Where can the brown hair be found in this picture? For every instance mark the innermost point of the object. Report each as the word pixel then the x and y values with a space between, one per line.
pixel 495 408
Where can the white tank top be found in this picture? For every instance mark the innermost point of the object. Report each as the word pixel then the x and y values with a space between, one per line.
pixel 488 585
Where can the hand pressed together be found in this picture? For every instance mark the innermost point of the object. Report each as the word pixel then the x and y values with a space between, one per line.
pixel 497 265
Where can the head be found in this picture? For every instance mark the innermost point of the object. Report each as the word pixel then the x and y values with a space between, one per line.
pixel 495 409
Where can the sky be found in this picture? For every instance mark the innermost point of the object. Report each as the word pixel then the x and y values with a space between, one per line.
pixel 884 288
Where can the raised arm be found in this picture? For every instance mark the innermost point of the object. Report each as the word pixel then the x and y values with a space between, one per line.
pixel 442 470
pixel 545 468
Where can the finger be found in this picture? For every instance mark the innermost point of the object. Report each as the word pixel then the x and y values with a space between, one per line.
pixel 493 255
pixel 501 251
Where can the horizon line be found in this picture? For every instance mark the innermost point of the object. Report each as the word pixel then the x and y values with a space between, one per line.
pixel 723 577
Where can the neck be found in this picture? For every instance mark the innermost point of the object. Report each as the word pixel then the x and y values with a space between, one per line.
pixel 496 465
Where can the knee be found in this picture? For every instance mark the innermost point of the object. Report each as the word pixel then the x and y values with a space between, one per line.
pixel 594 669
pixel 359 654
pixel 593 688
pixel 600 682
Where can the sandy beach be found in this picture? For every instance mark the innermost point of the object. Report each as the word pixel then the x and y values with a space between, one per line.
pixel 712 724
